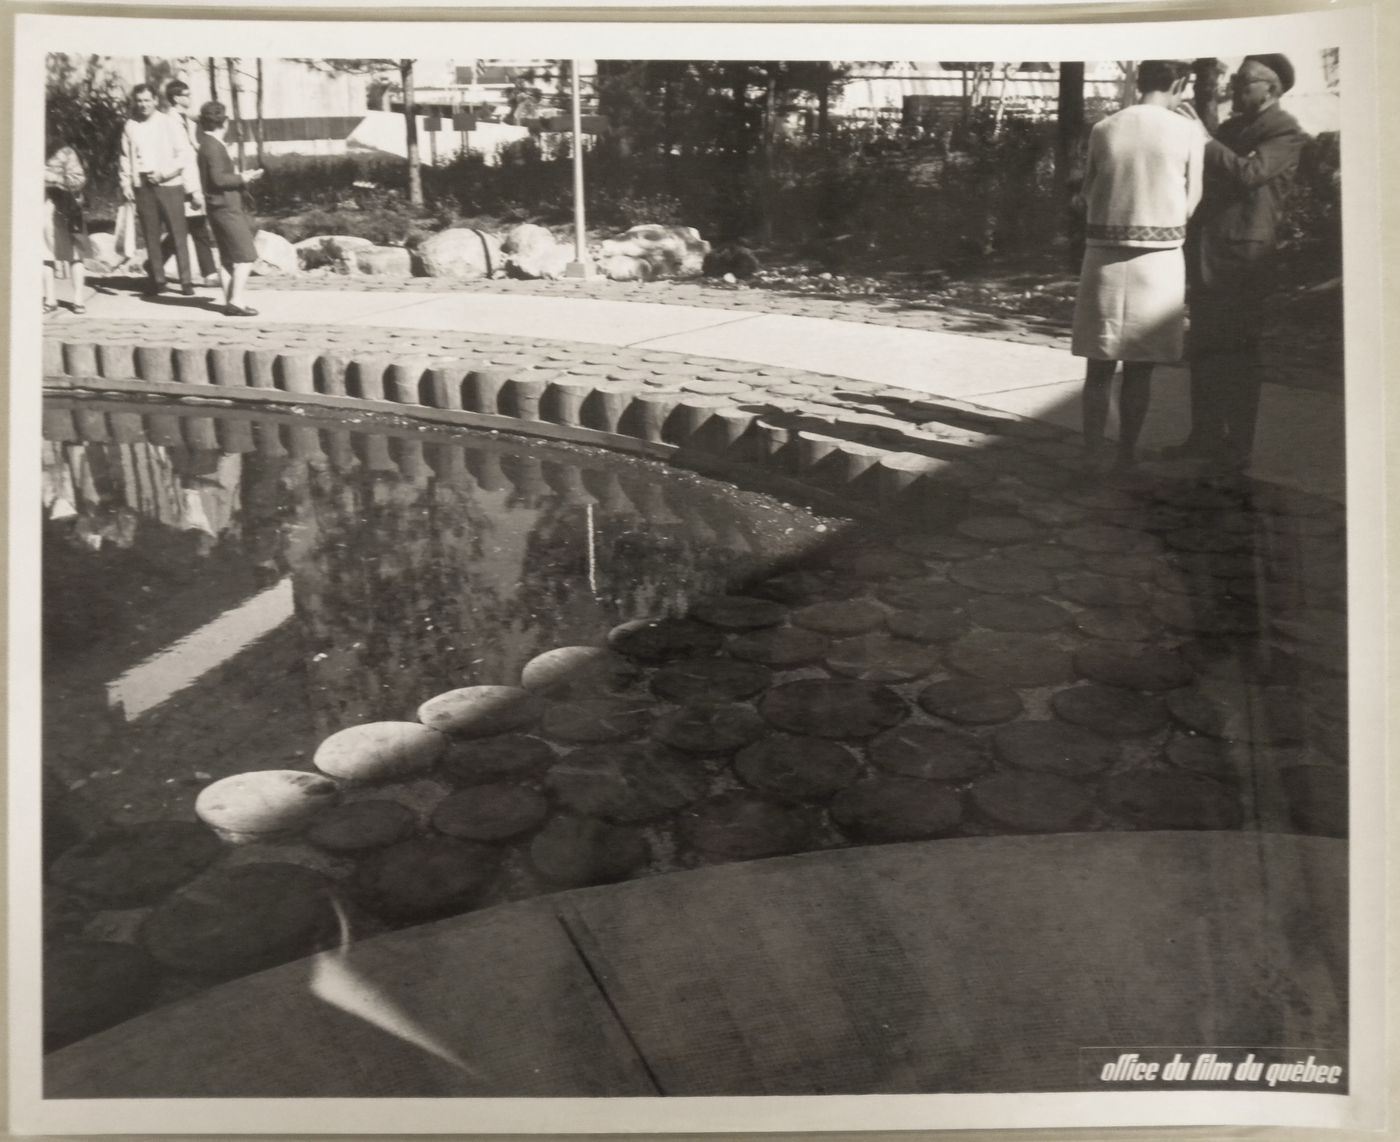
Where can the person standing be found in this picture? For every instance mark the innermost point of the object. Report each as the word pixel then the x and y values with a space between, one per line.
pixel 1249 168
pixel 65 230
pixel 157 172
pixel 1142 180
pixel 177 94
pixel 223 188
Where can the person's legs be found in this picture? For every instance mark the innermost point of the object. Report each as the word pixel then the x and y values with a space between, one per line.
pixel 203 245
pixel 148 219
pixel 1132 408
pixel 50 297
pixel 1098 379
pixel 239 274
pixel 1240 408
pixel 75 275
pixel 172 210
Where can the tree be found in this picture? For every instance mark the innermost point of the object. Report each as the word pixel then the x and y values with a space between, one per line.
pixel 85 106
pixel 233 92
pixel 1069 120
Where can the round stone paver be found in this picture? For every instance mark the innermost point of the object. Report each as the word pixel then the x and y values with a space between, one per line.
pixel 878 657
pixel 710 729
pixel 999 529
pixel 1101 591
pixel 1010 659
pixel 1024 615
pixel 1140 567
pixel 1054 747
pixel 1105 539
pixel 1031 802
pixel 745 826
pixel 1110 710
pixel 90 986
pixel 136 864
pixel 928 626
pixel 483 761
pixel 481 711
pixel 1170 799
pixel 924 594
pixel 636 781
pixel 928 753
pixel 1044 555
pixel 1267 715
pixel 796 768
pixel 660 640
pixel 242 919
pixel 738 612
pixel 1317 798
pixel 844 617
pixel 801 588
pixel 970 701
pixel 575 852
pixel 360 826
pixel 425 878
pixel 490 813
pixel 574 670
pixel 999 576
pixel 1115 624
pixel 1145 668
pixel 877 563
pixel 380 751
pixel 941 547
pixel 1205 539
pixel 1214 615
pixel 780 647
pixel 881 809
pixel 598 719
pixel 264 802
pixel 710 680
pixel 1209 757
pixel 833 709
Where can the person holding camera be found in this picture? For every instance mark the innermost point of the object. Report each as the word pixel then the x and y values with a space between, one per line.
pixel 228 215
pixel 158 172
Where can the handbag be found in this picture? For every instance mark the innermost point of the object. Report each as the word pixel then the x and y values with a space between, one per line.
pixel 125 231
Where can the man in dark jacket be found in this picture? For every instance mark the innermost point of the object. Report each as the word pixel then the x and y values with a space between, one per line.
pixel 1249 168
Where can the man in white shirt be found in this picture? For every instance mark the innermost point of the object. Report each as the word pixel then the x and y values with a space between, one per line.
pixel 158 170
pixel 177 94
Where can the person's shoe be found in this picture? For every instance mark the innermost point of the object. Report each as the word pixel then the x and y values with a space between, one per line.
pixel 212 280
pixel 240 311
pixel 187 289
pixel 154 289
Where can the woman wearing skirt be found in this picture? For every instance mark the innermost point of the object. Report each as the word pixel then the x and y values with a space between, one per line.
pixel 223 196
pixel 1142 180
pixel 65 230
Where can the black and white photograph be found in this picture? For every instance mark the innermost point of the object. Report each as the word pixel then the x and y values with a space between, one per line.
pixel 656 577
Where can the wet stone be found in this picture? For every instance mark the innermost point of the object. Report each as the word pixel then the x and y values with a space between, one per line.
pixel 626 783
pixel 482 761
pixel 1010 659
pixel 1002 577
pixel 598 719
pixel 745 826
pixel 1044 555
pixel 796 768
pixel 1170 799
pixel 710 680
pixel 848 617
pixel 941 547
pixel 264 802
pixel 1138 567
pixel 490 813
pixel 1106 539
pixel 711 729
pixel 660 640
pixel 575 852
pixel 877 563
pixel 578 670
pixel 425 878
pixel 833 709
pixel 1316 796
pixel 1031 802
pixel 1131 667
pixel 970 701
pixel 380 751
pixel 1204 539
pixel 1115 624
pixel 1214 615
pixel 999 529
pixel 1267 715
pixel 928 753
pixel 877 657
pixel 1110 710
pixel 1209 757
pixel 882 809
pixel 738 612
pixel 1009 613
pixel 240 920
pixel 136 864
pixel 481 711
pixel 927 626
pixel 90 986
pixel 799 588
pixel 1054 747
pixel 1100 591
pixel 780 647
pixel 924 594
pixel 1104 499
pixel 361 826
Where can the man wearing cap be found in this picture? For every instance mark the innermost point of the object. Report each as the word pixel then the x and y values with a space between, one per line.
pixel 1249 168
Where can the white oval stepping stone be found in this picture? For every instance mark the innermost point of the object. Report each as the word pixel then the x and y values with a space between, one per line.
pixel 481 711
pixel 249 805
pixel 380 751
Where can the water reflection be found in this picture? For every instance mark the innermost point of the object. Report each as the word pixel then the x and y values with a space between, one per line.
pixel 220 586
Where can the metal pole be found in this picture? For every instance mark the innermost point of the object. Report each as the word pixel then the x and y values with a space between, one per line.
pixel 580 267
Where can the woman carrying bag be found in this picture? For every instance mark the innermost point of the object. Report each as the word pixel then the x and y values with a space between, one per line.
pixel 228 217
pixel 65 230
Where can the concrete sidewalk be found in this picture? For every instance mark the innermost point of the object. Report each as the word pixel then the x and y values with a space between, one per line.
pixel 1301 441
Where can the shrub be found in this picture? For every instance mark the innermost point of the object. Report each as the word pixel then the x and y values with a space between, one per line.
pixel 85 107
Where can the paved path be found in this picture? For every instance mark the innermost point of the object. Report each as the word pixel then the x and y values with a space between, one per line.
pixel 1301 440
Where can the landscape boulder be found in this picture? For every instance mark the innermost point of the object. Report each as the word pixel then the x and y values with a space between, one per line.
pixel 330 251
pixel 734 259
pixel 533 252
pixel 102 253
pixel 668 251
pixel 275 254
pixel 461 253
pixel 382 260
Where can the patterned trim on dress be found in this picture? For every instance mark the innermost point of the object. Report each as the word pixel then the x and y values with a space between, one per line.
pixel 1136 233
